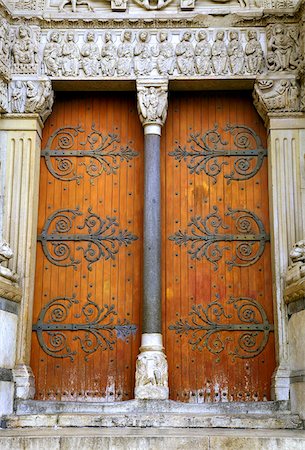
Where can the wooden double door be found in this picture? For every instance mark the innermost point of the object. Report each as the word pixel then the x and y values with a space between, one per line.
pixel 216 275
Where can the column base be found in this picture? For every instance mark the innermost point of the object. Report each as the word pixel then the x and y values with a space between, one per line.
pixel 151 370
pixel 280 384
pixel 25 382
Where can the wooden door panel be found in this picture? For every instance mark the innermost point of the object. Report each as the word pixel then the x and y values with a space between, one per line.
pixel 88 274
pixel 217 288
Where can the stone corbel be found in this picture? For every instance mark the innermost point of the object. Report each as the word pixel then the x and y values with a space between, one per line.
pixel 277 96
pixel 152 104
pixel 31 97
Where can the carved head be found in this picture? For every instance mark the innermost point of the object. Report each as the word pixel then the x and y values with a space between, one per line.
pixel 186 36
pixel 90 36
pixel 202 35
pixel 23 32
pixel 108 37
pixel 127 36
pixel 70 37
pixel 163 36
pixel 298 252
pixel 220 35
pixel 54 36
pixel 252 34
pixel 143 36
pixel 5 251
pixel 279 29
pixel 233 35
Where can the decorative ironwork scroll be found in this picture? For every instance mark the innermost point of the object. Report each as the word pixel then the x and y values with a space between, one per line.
pixel 207 329
pixel 101 150
pixel 101 238
pixel 204 237
pixel 205 151
pixel 96 332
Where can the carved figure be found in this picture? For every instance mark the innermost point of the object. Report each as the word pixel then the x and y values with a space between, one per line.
pixel 90 55
pixel 74 4
pixel 4 45
pixel 52 54
pixel 3 96
pixel 298 252
pixel 18 97
pixel 220 61
pixel 70 56
pixel 203 52
pixel 6 252
pixel 109 56
pixel 280 95
pixel 165 54
pixel 185 55
pixel 152 104
pixel 254 54
pixel 152 4
pixel 142 54
pixel 283 51
pixel 25 50
pixel 151 370
pixel 125 54
pixel 236 54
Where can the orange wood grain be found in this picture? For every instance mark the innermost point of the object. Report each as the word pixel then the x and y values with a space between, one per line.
pixel 107 375
pixel 196 376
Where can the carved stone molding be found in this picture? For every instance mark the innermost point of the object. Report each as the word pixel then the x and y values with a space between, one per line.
pixel 9 289
pixel 31 96
pixel 152 102
pixel 276 96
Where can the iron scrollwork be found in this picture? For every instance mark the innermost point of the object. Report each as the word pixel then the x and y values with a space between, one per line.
pixel 101 238
pixel 206 328
pixel 102 150
pixel 205 151
pixel 97 331
pixel 204 238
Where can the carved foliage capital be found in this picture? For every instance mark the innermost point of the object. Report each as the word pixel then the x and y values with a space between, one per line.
pixel 152 102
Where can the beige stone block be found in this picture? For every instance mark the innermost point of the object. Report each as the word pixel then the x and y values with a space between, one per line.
pixel 6 398
pixel 255 443
pixel 296 336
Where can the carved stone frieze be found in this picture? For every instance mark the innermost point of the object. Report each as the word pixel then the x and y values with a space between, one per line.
pixel 276 96
pixel 74 4
pixel 283 48
pixel 3 96
pixel 223 53
pixel 295 275
pixel 4 49
pixel 31 97
pixel 25 50
pixel 152 102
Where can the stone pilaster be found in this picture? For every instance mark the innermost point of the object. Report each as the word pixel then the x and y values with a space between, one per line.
pixel 151 371
pixel 278 102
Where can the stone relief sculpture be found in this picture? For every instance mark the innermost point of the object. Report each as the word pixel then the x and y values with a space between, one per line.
pixel 70 56
pixel 165 53
pixel 18 94
pixel 90 55
pixel 125 54
pixel 236 54
pixel 295 275
pixel 152 104
pixel 276 95
pixel 25 51
pixel 153 4
pixel 203 53
pixel 220 62
pixel 4 48
pixel 151 370
pixel 6 254
pixel 283 48
pixel 142 55
pixel 297 254
pixel 3 96
pixel 185 55
pixel 118 5
pixel 254 55
pixel 108 56
pixel 52 54
pixel 74 4
pixel 34 97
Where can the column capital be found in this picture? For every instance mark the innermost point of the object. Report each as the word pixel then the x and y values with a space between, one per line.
pixel 31 97
pixel 152 104
pixel 277 96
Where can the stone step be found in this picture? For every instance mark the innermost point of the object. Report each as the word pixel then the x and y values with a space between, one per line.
pixel 143 406
pixel 150 439
pixel 156 420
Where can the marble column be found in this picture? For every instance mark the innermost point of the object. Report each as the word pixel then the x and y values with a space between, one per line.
pixel 286 134
pixel 151 371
